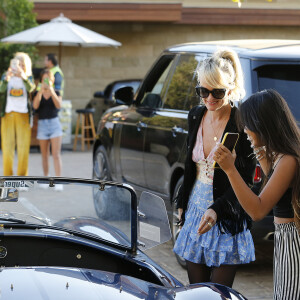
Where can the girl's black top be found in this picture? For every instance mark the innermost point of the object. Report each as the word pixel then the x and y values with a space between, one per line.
pixel 231 217
pixel 284 207
pixel 47 109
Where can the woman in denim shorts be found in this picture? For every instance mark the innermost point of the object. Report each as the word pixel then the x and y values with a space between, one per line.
pixel 47 103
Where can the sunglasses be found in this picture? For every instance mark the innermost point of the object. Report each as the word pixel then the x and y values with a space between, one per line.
pixel 204 93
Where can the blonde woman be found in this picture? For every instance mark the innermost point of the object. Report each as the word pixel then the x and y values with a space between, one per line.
pixel 215 236
pixel 15 110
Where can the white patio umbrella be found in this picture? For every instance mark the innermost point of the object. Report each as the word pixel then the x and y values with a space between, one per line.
pixel 60 32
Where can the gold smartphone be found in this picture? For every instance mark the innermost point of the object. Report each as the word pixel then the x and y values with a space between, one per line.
pixel 229 141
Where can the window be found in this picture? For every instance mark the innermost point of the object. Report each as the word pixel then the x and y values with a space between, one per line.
pixel 192 98
pixel 181 89
pixel 154 88
pixel 285 79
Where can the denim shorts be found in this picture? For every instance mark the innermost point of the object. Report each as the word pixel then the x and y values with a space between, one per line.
pixel 48 129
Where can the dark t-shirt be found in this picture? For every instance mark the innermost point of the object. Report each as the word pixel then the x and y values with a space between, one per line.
pixel 47 109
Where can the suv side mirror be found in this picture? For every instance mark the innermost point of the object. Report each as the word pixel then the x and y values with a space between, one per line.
pixel 99 94
pixel 9 194
pixel 124 95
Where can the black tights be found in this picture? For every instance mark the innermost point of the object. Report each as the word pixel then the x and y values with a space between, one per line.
pixel 201 273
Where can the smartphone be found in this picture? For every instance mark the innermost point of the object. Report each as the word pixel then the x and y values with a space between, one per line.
pixel 46 80
pixel 229 141
pixel 14 63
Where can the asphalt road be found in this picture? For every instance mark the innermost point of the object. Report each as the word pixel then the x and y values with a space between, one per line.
pixel 254 280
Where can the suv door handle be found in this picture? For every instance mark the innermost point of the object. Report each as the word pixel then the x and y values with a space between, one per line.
pixel 176 130
pixel 141 125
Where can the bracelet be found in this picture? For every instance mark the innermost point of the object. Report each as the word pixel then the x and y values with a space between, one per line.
pixel 260 156
pixel 260 152
pixel 257 152
pixel 259 149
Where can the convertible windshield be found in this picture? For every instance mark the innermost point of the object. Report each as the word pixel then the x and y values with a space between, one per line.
pixel 97 209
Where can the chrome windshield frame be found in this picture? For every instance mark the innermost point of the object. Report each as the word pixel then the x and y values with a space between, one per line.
pixel 68 180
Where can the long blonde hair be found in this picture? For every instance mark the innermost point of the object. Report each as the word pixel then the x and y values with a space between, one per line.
pixel 223 70
pixel 25 59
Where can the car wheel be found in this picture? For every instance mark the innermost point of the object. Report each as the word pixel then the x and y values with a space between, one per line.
pixel 101 171
pixel 100 165
pixel 105 207
pixel 175 219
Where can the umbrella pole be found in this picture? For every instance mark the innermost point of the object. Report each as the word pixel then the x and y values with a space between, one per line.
pixel 59 54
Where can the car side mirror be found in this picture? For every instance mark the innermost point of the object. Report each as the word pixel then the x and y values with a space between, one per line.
pixel 8 194
pixel 99 94
pixel 124 95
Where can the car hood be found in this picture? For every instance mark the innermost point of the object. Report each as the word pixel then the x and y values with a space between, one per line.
pixel 72 283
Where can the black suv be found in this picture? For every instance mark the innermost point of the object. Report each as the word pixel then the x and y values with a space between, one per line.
pixel 143 144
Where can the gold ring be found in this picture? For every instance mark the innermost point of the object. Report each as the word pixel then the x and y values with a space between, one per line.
pixel 209 224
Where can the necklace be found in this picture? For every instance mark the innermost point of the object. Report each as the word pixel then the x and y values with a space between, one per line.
pixel 217 133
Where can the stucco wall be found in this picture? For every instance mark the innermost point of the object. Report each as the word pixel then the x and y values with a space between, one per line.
pixel 88 70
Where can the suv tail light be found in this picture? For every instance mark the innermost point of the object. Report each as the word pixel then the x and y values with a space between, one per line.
pixel 257 177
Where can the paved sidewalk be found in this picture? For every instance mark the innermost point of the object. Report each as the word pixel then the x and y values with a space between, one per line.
pixel 74 163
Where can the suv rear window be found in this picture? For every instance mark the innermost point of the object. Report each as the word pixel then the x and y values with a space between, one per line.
pixel 285 79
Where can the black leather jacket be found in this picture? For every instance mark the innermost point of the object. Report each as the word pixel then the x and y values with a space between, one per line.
pixel 230 215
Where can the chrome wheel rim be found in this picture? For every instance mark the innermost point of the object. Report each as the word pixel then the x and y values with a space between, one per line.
pixel 100 167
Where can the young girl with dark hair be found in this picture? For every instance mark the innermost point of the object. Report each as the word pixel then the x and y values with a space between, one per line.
pixel 275 139
pixel 47 103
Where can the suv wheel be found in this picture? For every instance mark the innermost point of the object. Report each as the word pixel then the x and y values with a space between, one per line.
pixel 101 172
pixel 100 165
pixel 175 219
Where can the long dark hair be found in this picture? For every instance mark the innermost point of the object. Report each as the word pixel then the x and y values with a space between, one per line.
pixel 267 114
pixel 48 72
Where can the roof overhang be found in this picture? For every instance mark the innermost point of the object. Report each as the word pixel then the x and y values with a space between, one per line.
pixel 166 13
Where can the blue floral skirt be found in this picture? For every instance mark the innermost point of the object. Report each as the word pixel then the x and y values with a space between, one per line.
pixel 211 248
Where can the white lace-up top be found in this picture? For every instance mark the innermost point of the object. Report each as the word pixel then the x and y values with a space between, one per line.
pixel 205 171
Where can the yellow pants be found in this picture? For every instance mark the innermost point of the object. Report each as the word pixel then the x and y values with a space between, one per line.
pixel 15 128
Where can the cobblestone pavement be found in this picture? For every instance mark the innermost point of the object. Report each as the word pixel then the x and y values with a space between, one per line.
pixel 254 281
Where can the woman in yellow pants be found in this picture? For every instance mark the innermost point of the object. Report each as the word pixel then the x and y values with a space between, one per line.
pixel 16 113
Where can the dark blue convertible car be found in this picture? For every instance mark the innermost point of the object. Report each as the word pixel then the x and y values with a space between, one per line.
pixel 53 245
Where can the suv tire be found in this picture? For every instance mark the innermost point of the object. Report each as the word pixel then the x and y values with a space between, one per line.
pixel 101 171
pixel 100 165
